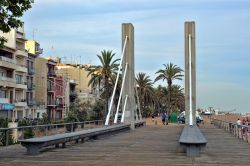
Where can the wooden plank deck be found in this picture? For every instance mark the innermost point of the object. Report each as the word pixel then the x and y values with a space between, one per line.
pixel 150 145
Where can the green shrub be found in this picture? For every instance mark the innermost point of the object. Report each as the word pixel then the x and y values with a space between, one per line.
pixel 3 134
pixel 27 132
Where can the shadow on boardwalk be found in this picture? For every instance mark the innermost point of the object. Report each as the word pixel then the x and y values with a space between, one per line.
pixel 150 145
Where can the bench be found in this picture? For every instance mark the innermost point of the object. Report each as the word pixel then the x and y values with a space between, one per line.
pixel 140 123
pixel 192 140
pixel 34 145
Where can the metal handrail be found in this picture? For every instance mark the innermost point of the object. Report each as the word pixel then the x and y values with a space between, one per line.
pixel 234 124
pixel 45 128
pixel 46 125
pixel 239 131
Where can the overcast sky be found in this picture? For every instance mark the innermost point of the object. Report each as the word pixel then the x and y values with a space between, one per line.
pixel 74 28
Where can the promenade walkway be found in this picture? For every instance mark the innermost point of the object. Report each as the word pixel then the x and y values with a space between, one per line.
pixel 147 146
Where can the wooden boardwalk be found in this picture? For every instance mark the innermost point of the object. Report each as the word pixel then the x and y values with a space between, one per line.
pixel 150 145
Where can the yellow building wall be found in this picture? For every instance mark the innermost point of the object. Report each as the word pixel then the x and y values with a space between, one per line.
pixel 30 46
pixel 80 75
pixel 41 80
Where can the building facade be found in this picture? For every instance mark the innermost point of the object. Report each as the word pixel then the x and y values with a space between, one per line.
pixel 34 51
pixel 13 72
pixel 41 86
pixel 50 89
pixel 80 76
pixel 59 97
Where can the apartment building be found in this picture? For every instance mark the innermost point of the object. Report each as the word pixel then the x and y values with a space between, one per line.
pixel 49 89
pixel 79 75
pixel 13 73
pixel 34 51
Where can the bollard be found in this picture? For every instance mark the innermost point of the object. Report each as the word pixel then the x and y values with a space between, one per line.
pixel 46 130
pixel 248 136
pixel 239 133
pixel 7 138
pixel 72 128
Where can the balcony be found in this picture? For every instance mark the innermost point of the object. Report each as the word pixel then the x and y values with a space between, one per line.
pixel 22 52
pixel 60 105
pixel 31 102
pixel 7 82
pixel 7 62
pixel 31 86
pixel 20 33
pixel 20 103
pixel 21 84
pixel 31 71
pixel 51 74
pixel 39 50
pixel 50 88
pixel 21 68
pixel 4 100
pixel 51 103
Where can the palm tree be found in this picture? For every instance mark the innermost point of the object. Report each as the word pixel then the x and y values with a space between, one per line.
pixel 161 98
pixel 170 72
pixel 177 97
pixel 102 75
pixel 145 90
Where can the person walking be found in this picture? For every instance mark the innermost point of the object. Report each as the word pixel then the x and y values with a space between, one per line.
pixel 238 122
pixel 163 118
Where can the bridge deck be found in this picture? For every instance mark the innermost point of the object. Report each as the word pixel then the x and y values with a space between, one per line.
pixel 150 145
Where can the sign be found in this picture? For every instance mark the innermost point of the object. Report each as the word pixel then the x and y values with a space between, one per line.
pixel 7 106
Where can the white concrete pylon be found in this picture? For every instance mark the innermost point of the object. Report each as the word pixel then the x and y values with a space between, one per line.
pixel 129 114
pixel 190 74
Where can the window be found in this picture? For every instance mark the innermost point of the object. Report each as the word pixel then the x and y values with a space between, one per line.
pixel 3 94
pixel 18 79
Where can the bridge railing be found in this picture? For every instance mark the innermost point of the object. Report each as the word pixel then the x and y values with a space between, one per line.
pixel 239 131
pixel 44 130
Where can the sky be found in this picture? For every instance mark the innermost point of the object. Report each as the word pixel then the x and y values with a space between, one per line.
pixel 77 30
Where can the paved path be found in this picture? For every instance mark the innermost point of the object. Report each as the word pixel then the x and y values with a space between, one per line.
pixel 146 146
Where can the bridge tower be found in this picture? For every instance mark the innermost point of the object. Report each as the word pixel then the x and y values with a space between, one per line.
pixel 129 85
pixel 190 74
pixel 128 88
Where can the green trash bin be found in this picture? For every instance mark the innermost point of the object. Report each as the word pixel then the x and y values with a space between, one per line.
pixel 173 117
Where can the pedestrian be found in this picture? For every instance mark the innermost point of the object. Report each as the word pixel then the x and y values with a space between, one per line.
pixel 163 118
pixel 238 122
pixel 153 118
pixel 244 129
pixel 247 122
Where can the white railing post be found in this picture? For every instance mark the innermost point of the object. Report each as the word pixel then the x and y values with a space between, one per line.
pixel 123 81
pixel 116 82
pixel 124 107
pixel 138 102
pixel 190 83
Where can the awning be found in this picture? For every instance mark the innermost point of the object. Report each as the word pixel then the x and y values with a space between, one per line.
pixel 7 106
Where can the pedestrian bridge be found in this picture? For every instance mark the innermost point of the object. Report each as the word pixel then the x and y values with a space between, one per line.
pixel 148 145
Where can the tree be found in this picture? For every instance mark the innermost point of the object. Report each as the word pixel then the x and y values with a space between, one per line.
pixel 10 13
pixel 161 98
pixel 177 98
pixel 98 108
pixel 170 72
pixel 102 75
pixel 145 91
pixel 78 111
pixel 4 134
